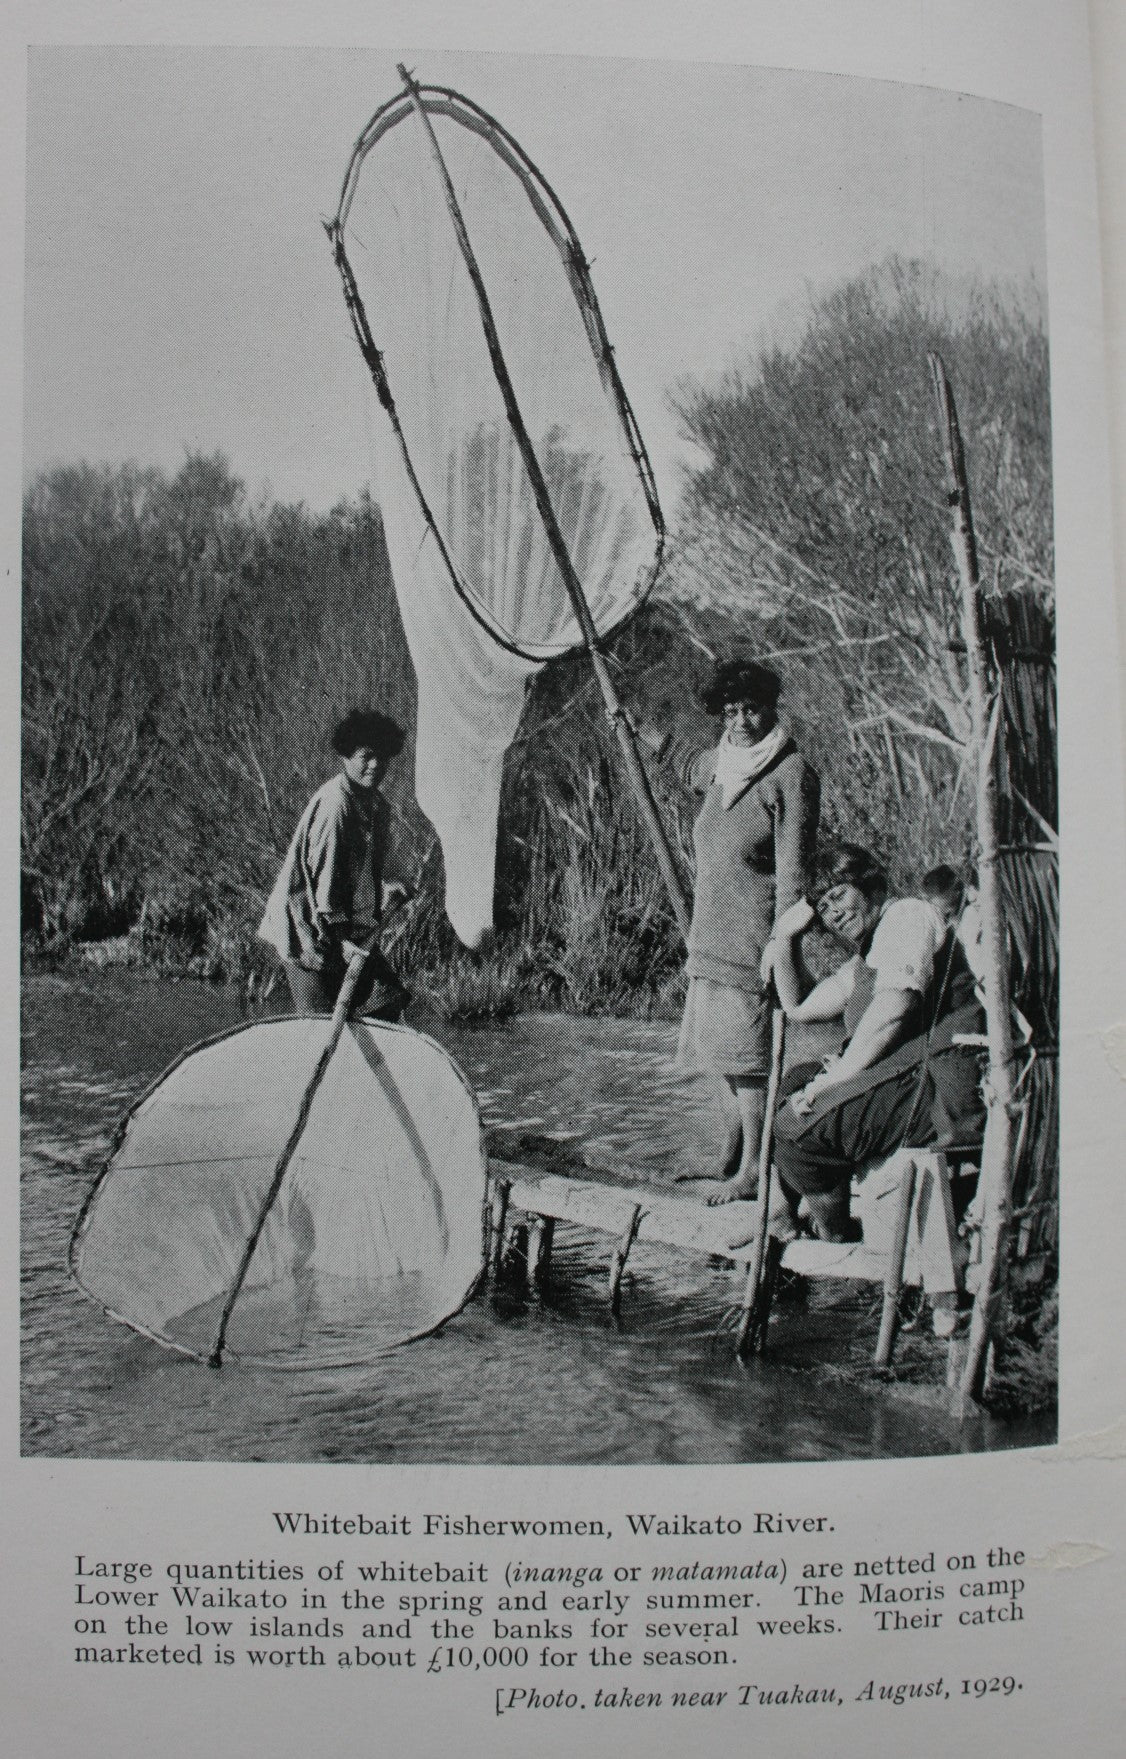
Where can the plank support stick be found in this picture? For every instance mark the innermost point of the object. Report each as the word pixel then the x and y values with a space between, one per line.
pixel 546 1242
pixel 281 1166
pixel 893 1275
pixel 501 1190
pixel 619 1256
pixel 616 714
pixel 539 1249
pixel 515 1261
pixel 998 1148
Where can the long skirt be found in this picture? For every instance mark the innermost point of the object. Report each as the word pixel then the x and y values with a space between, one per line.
pixel 725 1031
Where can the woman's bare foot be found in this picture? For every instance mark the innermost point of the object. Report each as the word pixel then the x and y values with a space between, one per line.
pixel 739 1190
pixel 832 1222
pixel 846 1233
pixel 781 1225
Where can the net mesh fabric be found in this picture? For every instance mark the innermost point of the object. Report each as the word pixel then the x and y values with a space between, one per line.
pixel 483 616
pixel 375 1235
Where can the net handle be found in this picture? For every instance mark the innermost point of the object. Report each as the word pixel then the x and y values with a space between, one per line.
pixel 337 1024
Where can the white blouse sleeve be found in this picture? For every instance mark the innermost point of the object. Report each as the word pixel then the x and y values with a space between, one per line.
pixel 903 948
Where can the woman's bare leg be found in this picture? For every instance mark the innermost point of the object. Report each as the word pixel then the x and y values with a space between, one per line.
pixel 747 1096
pixel 830 1213
pixel 731 1153
pixel 781 1217
pixel 731 1148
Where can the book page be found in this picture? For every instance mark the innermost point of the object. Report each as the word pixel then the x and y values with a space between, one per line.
pixel 567 1337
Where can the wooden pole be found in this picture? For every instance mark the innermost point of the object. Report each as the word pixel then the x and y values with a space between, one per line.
pixel 501 1191
pixel 997 1150
pixel 752 1323
pixel 539 1247
pixel 618 1259
pixel 514 1264
pixel 281 1166
pixel 616 714
pixel 893 1274
pixel 545 1241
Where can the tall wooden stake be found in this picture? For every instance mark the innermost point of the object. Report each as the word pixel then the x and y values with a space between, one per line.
pixel 618 1259
pixel 997 1152
pixel 893 1274
pixel 615 713
pixel 751 1331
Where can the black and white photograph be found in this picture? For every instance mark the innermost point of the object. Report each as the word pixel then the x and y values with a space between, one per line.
pixel 539 839
pixel 566 1035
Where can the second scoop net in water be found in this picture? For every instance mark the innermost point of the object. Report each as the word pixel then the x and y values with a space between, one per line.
pixel 375 1233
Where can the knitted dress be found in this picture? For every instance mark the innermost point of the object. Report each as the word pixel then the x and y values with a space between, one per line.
pixel 753 860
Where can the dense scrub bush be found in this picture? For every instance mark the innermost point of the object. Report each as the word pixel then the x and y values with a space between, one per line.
pixel 186 650
pixel 820 509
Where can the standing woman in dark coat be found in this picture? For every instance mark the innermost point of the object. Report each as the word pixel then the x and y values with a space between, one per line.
pixel 755 837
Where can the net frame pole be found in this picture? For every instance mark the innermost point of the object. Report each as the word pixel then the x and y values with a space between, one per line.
pixel 615 713
pixel 751 1332
pixel 281 1166
pixel 1000 1098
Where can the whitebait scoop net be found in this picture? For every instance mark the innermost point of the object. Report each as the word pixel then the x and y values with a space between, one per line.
pixel 372 1237
pixel 518 504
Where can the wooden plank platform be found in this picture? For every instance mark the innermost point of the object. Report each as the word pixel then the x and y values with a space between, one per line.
pixel 668 1220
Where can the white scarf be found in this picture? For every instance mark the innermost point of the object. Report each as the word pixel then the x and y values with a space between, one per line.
pixel 737 766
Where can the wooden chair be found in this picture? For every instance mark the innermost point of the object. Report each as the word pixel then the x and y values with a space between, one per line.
pixel 910 1237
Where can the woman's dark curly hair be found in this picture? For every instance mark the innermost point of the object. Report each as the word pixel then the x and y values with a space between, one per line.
pixel 847 864
pixel 740 680
pixel 366 726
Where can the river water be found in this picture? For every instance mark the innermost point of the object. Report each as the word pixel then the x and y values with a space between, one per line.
pixel 507 1381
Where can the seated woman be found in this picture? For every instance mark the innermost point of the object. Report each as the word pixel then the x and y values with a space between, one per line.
pixel 328 898
pixel 901 1080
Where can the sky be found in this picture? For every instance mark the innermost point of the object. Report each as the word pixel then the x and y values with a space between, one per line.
pixel 180 293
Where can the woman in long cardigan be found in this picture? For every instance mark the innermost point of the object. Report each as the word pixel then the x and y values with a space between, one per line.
pixel 755 837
